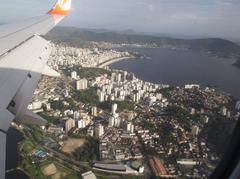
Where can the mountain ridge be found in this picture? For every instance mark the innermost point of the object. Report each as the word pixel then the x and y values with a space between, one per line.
pixel 214 46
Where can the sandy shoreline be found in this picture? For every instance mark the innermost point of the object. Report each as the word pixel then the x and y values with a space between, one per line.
pixel 108 62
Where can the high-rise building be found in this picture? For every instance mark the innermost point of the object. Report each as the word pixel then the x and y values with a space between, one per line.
pixel 141 169
pixel 81 123
pixel 125 76
pixel 205 119
pixel 106 97
pixel 69 124
pixel 117 121
pixel 74 75
pixel 136 97
pixel 46 106
pixel 224 111
pixel 99 130
pixel 90 131
pixel 195 130
pixel 130 116
pixel 111 121
pixel 94 111
pixel 130 127
pixel 132 76
pixel 82 84
pixel 151 100
pixel 119 77
pixel 113 76
pixel 101 97
pixel 66 93
pixel 36 105
pixel 112 97
pixel 114 108
pixel 75 115
pixel 121 98
pixel 238 105
pixel 122 95
pixel 159 96
pixel 109 89
pixel 104 88
pixel 193 111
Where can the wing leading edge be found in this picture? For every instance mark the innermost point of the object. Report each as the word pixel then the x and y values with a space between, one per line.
pixel 11 35
pixel 23 57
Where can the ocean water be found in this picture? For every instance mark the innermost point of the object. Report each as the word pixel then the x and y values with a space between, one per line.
pixel 12 155
pixel 180 67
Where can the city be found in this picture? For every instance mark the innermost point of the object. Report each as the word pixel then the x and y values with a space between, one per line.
pixel 105 122
pixel 119 89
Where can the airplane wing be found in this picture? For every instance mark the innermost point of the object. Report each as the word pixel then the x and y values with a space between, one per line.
pixel 23 57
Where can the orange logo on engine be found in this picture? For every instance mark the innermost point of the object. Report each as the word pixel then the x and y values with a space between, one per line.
pixel 61 8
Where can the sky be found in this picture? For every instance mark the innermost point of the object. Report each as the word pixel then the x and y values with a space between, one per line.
pixel 204 18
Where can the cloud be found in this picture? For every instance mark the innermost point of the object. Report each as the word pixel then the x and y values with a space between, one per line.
pixel 151 7
pixel 206 17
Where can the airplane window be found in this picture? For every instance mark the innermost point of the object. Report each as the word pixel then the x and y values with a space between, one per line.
pixel 124 89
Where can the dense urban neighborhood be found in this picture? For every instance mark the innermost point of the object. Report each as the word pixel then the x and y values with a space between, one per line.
pixel 107 123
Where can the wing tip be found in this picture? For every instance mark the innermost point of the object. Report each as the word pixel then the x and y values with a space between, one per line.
pixel 62 8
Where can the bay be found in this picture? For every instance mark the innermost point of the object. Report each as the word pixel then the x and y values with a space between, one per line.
pixel 180 67
pixel 12 155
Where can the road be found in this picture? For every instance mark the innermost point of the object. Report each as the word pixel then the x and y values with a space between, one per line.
pixel 65 158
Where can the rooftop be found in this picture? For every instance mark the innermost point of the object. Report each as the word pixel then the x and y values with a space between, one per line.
pixel 115 167
pixel 89 175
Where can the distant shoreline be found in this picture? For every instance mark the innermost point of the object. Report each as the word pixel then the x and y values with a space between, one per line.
pixel 237 64
pixel 176 69
pixel 113 60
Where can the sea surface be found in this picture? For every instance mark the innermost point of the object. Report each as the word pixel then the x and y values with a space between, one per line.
pixel 12 155
pixel 180 67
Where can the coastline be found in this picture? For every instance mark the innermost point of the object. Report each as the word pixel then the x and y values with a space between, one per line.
pixel 18 172
pixel 113 60
pixel 174 69
pixel 237 63
pixel 14 137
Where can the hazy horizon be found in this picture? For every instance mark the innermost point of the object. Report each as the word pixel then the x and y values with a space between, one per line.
pixel 188 18
pixel 157 34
